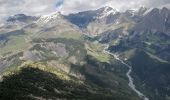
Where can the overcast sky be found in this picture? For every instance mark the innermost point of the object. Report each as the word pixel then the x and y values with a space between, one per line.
pixel 38 7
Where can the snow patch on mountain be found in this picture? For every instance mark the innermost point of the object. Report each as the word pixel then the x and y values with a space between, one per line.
pixel 106 12
pixel 50 17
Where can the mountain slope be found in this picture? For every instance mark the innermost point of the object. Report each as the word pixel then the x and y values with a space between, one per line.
pixel 96 21
pixel 16 22
pixel 152 74
pixel 147 49
pixel 57 50
pixel 68 52
pixel 95 77
pixel 82 19
pixel 52 26
pixel 157 20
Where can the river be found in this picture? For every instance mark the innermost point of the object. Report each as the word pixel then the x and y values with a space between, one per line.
pixel 128 74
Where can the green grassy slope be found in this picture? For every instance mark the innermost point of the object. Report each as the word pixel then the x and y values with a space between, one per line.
pixel 34 81
pixel 94 76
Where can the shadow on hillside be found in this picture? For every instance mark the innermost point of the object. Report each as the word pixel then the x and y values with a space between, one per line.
pixel 32 83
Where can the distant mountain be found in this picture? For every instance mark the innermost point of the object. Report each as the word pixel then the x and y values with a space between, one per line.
pixel 157 20
pixel 53 25
pixel 16 22
pixel 82 19
pixel 95 22
pixel 22 18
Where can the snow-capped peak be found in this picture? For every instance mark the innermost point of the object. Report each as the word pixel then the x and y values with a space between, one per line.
pixel 107 11
pixel 50 17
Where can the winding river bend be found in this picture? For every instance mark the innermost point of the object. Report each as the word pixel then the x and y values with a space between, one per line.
pixel 131 82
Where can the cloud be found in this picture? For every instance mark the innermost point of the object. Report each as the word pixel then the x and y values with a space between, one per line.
pixel 38 7
pixel 59 3
pixel 31 7
pixel 70 6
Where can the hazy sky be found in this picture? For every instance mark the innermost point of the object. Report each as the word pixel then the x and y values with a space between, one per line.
pixel 38 7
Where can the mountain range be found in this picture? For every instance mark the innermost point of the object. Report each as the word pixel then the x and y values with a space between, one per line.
pixel 64 57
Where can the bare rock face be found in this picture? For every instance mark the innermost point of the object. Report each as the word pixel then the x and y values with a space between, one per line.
pixel 157 20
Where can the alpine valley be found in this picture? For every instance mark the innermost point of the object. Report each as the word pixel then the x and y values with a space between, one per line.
pixel 98 54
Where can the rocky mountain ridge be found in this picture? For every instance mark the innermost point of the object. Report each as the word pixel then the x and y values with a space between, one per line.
pixel 69 50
